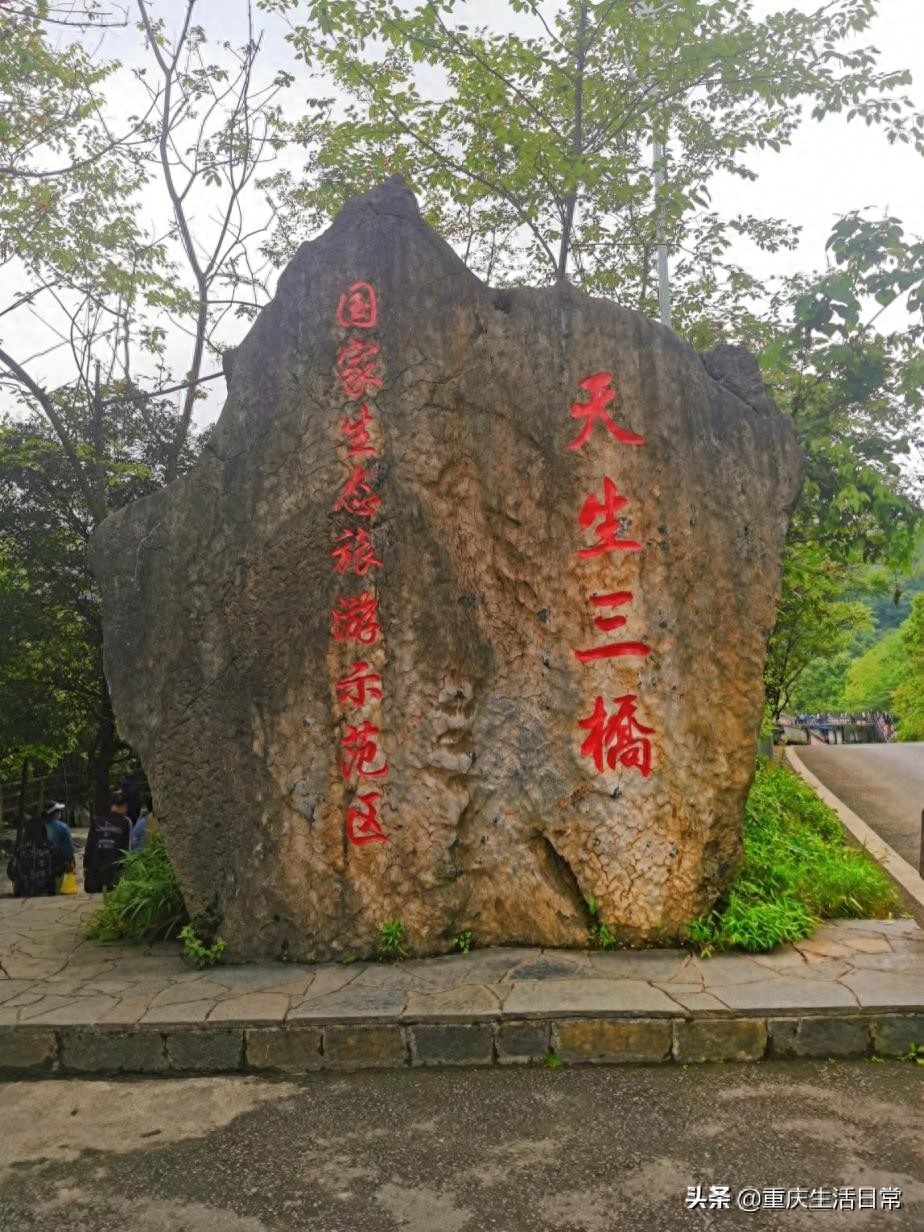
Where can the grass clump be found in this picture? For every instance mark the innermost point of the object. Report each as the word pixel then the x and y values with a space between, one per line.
pixel 797 870
pixel 463 943
pixel 198 952
pixel 599 935
pixel 145 904
pixel 391 940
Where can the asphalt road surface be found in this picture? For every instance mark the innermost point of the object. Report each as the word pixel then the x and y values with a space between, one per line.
pixel 537 1150
pixel 882 783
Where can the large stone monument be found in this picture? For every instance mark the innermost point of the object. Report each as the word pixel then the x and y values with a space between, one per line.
pixel 461 617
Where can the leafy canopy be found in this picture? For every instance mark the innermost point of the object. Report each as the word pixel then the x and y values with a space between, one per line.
pixel 855 393
pixel 909 694
pixel 529 141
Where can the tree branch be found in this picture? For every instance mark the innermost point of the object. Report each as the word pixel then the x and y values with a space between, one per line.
pixel 97 509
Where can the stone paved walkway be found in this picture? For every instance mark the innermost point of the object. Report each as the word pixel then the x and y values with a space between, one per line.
pixel 74 999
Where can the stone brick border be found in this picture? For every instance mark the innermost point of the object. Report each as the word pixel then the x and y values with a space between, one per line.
pixel 296 1049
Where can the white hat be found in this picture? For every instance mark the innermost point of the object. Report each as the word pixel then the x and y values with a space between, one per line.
pixel 55 808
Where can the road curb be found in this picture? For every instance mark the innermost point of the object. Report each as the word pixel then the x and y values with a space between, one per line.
pixel 180 1050
pixel 895 865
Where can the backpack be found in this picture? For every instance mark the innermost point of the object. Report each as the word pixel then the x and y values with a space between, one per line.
pixel 34 869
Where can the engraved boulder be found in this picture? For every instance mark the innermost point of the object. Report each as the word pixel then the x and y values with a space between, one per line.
pixel 460 618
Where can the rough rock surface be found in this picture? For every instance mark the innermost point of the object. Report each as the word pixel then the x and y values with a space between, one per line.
pixel 220 641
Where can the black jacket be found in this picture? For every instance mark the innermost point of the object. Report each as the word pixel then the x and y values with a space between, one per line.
pixel 107 842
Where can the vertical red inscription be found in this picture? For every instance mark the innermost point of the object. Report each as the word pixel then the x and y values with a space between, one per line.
pixel 361 683
pixel 356 619
pixel 362 821
pixel 617 738
pixel 357 495
pixel 607 624
pixel 361 751
pixel 353 551
pixel 356 432
pixel 606 511
pixel 356 367
pixel 358 307
pixel 599 386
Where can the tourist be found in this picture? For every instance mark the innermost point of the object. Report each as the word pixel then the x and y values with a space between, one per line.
pixel 37 862
pixel 59 831
pixel 132 794
pixel 140 830
pixel 107 843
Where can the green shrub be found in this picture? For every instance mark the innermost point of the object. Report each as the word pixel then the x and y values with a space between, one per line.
pixel 198 952
pixel 797 869
pixel 145 904
pixel 391 940
pixel 464 941
pixel 599 934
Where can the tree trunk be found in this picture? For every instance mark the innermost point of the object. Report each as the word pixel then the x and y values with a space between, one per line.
pixel 107 745
pixel 577 144
pixel 23 789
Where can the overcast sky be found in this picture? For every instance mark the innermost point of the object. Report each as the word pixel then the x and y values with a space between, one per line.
pixel 833 167
pixel 830 168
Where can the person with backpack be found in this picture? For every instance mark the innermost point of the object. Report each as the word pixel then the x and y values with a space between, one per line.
pixel 37 862
pixel 107 843
pixel 59 831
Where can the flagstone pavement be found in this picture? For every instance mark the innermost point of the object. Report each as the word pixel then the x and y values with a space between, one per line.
pixel 50 975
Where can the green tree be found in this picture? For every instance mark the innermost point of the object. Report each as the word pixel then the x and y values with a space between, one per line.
pixel 70 201
pixel 891 591
pixel 530 152
pixel 909 694
pixel 820 687
pixel 873 678
pixel 40 668
pixel 530 149
pixel 864 678
pixel 44 529
pixel 814 622
pixel 69 241
pixel 855 394
pixel 114 299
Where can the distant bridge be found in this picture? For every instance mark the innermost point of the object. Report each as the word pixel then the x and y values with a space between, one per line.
pixel 828 730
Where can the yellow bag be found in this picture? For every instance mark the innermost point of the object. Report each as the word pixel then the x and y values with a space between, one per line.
pixel 68 884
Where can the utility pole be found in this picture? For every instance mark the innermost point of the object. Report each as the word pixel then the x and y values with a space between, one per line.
pixel 659 163
pixel 664 285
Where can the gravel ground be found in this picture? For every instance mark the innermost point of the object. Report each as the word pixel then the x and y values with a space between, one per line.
pixel 520 1150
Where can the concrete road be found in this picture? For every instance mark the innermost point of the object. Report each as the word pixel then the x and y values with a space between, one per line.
pixel 882 783
pixel 589 1150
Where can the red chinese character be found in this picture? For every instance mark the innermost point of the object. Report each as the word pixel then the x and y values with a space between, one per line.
pixel 358 306
pixel 610 525
pixel 601 395
pixel 356 432
pixel 356 619
pixel 362 822
pixel 607 624
pixel 355 687
pixel 353 550
pixel 362 750
pixel 356 367
pixel 357 496
pixel 617 736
